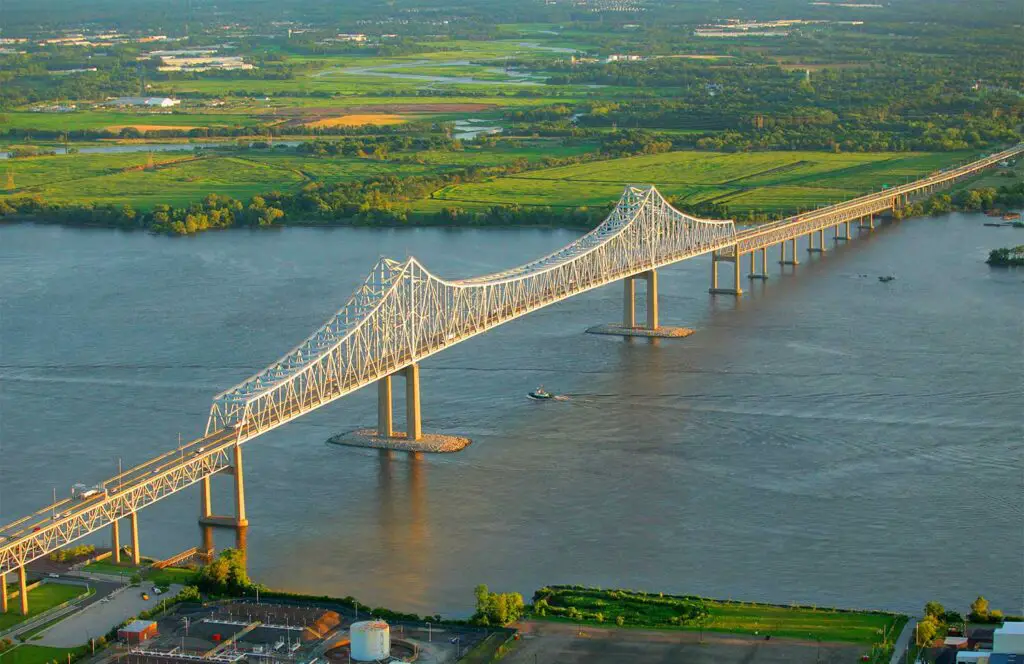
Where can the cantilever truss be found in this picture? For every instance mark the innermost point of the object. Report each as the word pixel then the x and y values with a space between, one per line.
pixel 403 313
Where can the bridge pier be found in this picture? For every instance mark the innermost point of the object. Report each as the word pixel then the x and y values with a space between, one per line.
pixel 115 540
pixel 870 226
pixel 716 258
pixel 846 235
pixel 652 326
pixel 385 405
pixel 22 590
pixel 782 253
pixel 206 516
pixel 3 594
pixel 763 274
pixel 821 242
pixel 133 519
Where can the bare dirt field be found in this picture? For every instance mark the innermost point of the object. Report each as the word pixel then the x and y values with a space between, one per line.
pixel 358 119
pixel 149 127
pixel 551 643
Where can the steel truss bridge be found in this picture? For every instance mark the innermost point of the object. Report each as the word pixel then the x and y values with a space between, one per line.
pixel 403 313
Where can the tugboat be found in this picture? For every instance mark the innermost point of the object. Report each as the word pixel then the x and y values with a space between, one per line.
pixel 540 394
pixel 886 280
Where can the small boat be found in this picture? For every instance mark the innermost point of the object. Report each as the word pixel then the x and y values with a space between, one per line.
pixel 886 280
pixel 1011 216
pixel 541 394
pixel 993 225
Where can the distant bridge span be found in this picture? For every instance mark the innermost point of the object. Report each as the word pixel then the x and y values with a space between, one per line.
pixel 403 313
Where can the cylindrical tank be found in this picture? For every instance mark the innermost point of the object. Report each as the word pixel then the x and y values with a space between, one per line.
pixel 371 640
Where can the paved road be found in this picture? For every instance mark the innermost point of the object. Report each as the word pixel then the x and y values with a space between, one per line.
pixel 100 617
pixel 903 641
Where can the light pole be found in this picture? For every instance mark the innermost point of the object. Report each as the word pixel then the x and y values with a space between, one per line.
pixel 428 631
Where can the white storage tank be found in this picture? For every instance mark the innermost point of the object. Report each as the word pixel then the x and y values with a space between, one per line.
pixel 371 640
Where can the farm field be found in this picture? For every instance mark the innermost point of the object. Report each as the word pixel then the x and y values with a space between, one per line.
pixel 103 119
pixel 32 654
pixel 183 178
pixel 768 181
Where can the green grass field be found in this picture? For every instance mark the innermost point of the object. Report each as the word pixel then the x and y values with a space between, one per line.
pixel 170 575
pixel 647 610
pixel 181 178
pixel 29 654
pixel 40 599
pixel 105 567
pixel 766 181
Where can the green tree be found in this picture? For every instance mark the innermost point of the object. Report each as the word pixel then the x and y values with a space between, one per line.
pixel 926 630
pixel 934 609
pixel 979 607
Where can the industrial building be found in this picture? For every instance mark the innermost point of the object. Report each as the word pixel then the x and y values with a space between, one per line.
pixel 148 102
pixel 137 631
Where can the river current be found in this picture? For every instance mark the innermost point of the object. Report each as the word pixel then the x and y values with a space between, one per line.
pixel 827 439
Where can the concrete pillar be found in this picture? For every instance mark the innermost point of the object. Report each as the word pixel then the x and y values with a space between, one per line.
pixel 240 519
pixel 133 519
pixel 871 221
pixel 22 590
pixel 205 504
pixel 413 426
pixel 385 419
pixel 821 240
pixel 736 272
pixel 652 299
pixel 628 303
pixel 753 265
pixel 810 242
pixel 764 262
pixel 115 541
pixel 792 247
pixel 714 271
pixel 3 594
pixel 847 230
pixel 782 253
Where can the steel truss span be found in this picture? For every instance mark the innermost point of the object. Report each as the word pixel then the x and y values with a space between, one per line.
pixel 403 313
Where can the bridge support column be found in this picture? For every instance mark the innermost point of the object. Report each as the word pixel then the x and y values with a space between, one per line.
pixel 821 243
pixel 782 253
pixel 115 541
pixel 846 234
pixel 385 405
pixel 652 299
pixel 413 424
pixel 870 225
pixel 628 303
pixel 3 594
pixel 763 274
pixel 206 516
pixel 716 258
pixel 385 421
pixel 22 590
pixel 240 519
pixel 205 505
pixel 133 519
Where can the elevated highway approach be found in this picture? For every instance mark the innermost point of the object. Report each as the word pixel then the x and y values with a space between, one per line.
pixel 403 313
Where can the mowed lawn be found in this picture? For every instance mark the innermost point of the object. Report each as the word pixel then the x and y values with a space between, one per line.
pixel 40 599
pixel 768 181
pixel 31 654
pixel 820 624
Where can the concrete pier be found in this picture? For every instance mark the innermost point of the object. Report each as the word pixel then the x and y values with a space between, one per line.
pixel 652 327
pixel 22 590
pixel 206 515
pixel 3 594
pixel 782 253
pixel 115 541
pixel 385 417
pixel 735 260
pixel 133 519
pixel 763 274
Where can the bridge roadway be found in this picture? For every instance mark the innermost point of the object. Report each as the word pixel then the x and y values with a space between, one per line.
pixel 641 234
